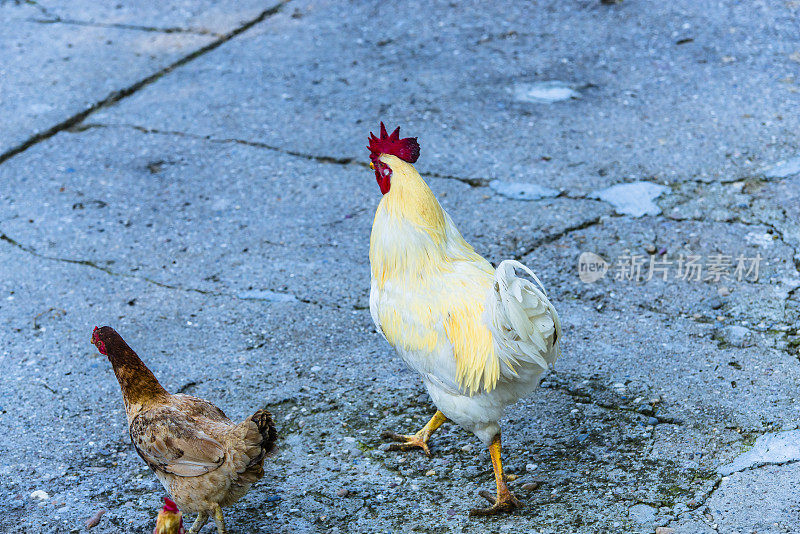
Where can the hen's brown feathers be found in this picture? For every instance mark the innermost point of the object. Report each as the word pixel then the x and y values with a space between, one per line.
pixel 258 436
pixel 202 458
pixel 170 440
pixel 138 384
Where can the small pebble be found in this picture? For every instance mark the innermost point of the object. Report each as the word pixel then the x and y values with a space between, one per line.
pixel 530 467
pixel 530 486
pixel 40 494
pixel 95 519
pixel 343 492
pixel 723 291
pixel 652 421
pixel 430 473
pixel 650 249
pixel 665 530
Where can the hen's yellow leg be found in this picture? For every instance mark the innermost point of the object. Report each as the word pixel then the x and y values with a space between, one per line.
pixel 220 521
pixel 202 517
pixel 420 439
pixel 505 500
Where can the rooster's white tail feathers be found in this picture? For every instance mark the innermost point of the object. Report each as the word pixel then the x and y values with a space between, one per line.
pixel 526 326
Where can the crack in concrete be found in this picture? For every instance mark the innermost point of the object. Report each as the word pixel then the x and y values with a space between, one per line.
pixel 718 483
pixel 707 496
pixel 41 8
pixel 586 398
pixel 283 297
pixel 334 160
pixel 737 219
pixel 55 19
pixel 765 464
pixel 555 236
pixel 121 94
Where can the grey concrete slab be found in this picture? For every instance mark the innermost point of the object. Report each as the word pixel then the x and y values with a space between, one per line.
pixel 685 268
pixel 233 219
pixel 50 72
pixel 669 90
pixel 219 218
pixel 761 500
pixel 587 432
pixel 116 197
pixel 701 380
pixel 575 434
pixel 85 418
pixel 15 11
pixel 174 16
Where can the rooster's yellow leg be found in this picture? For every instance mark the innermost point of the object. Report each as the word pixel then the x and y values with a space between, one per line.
pixel 505 501
pixel 219 520
pixel 202 517
pixel 420 439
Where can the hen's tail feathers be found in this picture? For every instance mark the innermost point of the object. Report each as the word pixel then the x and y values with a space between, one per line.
pixel 258 438
pixel 266 428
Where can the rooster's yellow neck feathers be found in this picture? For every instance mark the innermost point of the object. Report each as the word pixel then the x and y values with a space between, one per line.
pixel 412 234
pixel 413 242
pixel 414 226
pixel 412 199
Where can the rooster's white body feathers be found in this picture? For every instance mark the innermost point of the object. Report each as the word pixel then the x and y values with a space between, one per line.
pixel 479 337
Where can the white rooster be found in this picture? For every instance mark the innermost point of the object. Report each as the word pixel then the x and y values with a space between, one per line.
pixel 480 337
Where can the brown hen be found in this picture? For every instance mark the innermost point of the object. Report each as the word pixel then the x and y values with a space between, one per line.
pixel 203 459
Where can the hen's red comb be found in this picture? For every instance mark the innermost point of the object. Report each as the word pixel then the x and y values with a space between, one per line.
pixel 406 149
pixel 170 506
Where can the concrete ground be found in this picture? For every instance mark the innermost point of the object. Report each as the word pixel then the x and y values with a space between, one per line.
pixel 194 175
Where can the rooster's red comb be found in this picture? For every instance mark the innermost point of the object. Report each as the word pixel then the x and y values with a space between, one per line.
pixel 170 506
pixel 406 149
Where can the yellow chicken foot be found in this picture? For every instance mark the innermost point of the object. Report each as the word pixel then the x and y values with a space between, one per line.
pixel 505 500
pixel 202 517
pixel 420 439
pixel 220 521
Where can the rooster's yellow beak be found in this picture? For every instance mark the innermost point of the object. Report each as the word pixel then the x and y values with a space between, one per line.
pixel 371 165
